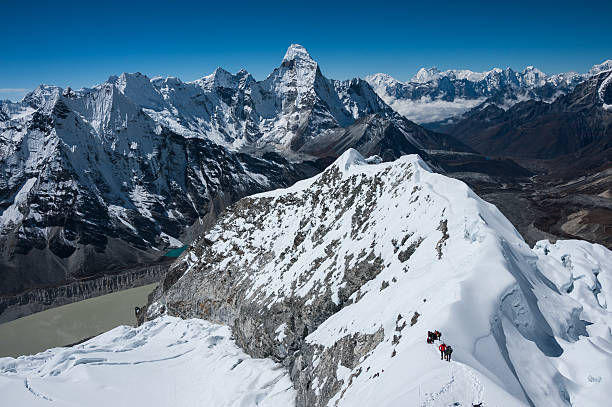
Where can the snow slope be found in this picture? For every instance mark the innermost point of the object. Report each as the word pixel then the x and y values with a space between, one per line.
pixel 605 92
pixel 166 362
pixel 339 277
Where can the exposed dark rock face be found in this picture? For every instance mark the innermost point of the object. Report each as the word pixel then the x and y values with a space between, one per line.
pixel 346 352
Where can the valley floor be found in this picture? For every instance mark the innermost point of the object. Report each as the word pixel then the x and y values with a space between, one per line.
pixel 552 208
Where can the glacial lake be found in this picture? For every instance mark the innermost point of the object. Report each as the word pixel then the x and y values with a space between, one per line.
pixel 71 323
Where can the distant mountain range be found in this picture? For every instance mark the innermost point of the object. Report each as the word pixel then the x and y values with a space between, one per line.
pixel 567 143
pixel 433 95
pixel 574 131
pixel 97 180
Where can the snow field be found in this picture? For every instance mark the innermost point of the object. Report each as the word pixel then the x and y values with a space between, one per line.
pixel 165 362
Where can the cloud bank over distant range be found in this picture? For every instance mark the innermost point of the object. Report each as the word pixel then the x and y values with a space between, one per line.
pixel 13 94
pixel 426 110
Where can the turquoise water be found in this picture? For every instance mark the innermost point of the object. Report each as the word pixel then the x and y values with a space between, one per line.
pixel 176 252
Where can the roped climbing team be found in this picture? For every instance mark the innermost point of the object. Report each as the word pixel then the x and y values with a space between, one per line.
pixel 445 350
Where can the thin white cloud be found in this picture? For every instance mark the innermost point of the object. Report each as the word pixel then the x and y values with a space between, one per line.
pixel 13 90
pixel 426 110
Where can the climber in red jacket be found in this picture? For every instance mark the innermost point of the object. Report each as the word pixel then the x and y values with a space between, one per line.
pixel 442 348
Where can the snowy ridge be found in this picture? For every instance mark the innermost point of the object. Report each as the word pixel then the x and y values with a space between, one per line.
pixel 604 66
pixel 340 276
pixel 605 92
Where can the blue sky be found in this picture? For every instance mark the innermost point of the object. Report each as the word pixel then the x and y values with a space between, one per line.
pixel 82 43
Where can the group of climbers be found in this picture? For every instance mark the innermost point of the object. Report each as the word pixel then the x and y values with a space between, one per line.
pixel 433 336
pixel 445 350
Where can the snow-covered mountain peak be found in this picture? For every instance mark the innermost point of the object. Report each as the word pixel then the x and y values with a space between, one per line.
pixel 126 79
pixel 297 52
pixel 532 76
pixel 139 89
pixel 221 78
pixel 348 159
pixel 533 70
pixel 426 74
pixel 173 81
pixel 381 79
pixel 301 65
pixel 127 76
pixel 604 66
pixel 43 97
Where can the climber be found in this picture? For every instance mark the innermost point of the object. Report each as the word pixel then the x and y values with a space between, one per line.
pixel 442 348
pixel 447 352
pixel 430 337
pixel 437 335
